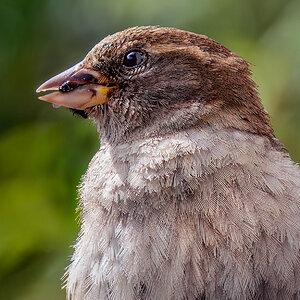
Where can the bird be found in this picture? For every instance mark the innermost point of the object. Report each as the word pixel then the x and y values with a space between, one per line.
pixel 190 195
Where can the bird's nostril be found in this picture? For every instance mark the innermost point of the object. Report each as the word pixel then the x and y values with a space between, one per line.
pixel 89 78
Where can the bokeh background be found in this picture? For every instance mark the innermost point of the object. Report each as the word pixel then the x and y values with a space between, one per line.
pixel 44 151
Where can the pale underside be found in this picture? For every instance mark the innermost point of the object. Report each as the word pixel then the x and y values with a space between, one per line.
pixel 200 213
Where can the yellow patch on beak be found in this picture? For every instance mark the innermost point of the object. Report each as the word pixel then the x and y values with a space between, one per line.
pixel 77 88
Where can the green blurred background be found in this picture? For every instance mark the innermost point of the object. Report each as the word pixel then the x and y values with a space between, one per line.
pixel 44 151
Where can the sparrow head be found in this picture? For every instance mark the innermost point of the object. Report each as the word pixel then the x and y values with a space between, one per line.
pixel 153 81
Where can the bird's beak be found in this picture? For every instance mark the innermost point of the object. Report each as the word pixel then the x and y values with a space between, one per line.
pixel 77 87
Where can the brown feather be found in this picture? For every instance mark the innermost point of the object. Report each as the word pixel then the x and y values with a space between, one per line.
pixel 190 195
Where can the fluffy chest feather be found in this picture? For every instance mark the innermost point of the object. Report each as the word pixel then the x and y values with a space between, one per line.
pixel 186 215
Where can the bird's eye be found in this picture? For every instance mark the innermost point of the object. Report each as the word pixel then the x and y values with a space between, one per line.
pixel 133 59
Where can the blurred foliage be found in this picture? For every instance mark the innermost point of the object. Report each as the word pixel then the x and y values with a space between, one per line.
pixel 43 152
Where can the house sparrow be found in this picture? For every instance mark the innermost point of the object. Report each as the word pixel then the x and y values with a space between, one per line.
pixel 190 195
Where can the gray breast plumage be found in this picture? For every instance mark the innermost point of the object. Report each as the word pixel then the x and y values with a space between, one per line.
pixel 197 213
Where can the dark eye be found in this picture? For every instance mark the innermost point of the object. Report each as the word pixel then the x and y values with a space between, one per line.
pixel 133 59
